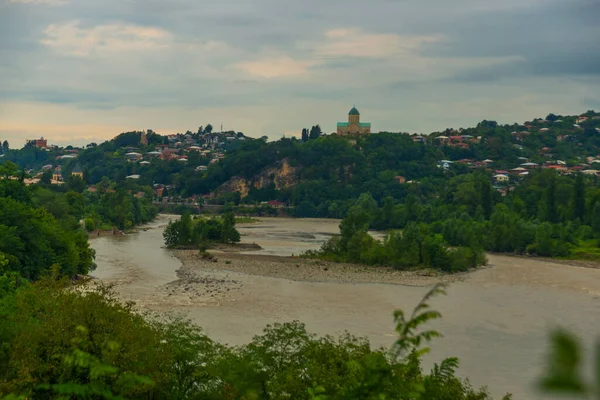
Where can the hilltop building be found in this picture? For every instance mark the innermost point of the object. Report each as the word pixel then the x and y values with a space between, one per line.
pixel 77 171
pixel 41 143
pixel 353 126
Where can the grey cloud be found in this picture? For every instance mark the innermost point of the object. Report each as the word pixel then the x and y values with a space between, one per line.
pixel 553 39
pixel 556 39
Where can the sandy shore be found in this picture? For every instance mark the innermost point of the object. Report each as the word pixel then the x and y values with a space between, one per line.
pixel 307 270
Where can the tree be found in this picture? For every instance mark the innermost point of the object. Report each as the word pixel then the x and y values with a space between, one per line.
pixel 228 232
pixel 5 147
pixel 200 130
pixel 579 198
pixel 315 132
pixel 550 197
pixel 208 129
pixel 304 135
pixel 596 217
pixel 76 183
pixel 8 169
pixel 551 117
pixel 485 192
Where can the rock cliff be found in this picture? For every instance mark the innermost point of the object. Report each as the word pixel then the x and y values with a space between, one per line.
pixel 282 175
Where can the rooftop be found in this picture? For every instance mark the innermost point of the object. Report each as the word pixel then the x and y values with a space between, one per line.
pixel 353 111
pixel 361 124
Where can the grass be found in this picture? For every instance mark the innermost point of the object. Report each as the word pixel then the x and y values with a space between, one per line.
pixel 586 250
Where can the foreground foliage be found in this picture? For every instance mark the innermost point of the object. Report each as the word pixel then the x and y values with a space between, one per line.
pixel 35 239
pixel 60 342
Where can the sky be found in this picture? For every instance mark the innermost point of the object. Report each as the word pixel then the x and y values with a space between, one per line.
pixel 76 71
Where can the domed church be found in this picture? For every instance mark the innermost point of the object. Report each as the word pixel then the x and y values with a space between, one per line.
pixel 353 126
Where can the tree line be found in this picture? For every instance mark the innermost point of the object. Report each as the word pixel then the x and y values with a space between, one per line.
pixel 200 232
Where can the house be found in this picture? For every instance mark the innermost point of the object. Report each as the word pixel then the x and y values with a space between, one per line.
pixel 560 168
pixel 275 204
pixel 581 119
pixel 445 164
pixel 92 189
pixel 201 168
pixel 529 165
pixel 56 175
pixel 40 143
pixel 418 139
pixel 590 172
pixel 400 179
pixel 169 153
pixel 133 156
pixel 465 161
pixel 68 157
pixel 135 176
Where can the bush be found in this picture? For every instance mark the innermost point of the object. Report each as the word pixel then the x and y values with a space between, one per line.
pixel 89 224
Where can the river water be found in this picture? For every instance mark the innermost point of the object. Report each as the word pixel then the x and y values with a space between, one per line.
pixel 496 322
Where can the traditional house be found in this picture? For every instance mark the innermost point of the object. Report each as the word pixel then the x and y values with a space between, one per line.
pixel 275 204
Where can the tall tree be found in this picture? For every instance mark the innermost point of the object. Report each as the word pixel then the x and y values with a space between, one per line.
pixel 228 232
pixel 551 213
pixel 596 217
pixel 315 132
pixel 579 198
pixel 208 129
pixel 5 146
pixel 304 135
pixel 485 192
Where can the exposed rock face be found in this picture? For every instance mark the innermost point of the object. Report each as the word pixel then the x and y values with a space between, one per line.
pixel 282 175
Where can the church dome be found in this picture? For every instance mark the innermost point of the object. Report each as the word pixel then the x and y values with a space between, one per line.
pixel 354 111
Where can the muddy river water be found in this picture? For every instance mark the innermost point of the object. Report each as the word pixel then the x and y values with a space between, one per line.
pixel 496 321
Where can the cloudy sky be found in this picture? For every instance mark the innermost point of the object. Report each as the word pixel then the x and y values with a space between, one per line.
pixel 81 70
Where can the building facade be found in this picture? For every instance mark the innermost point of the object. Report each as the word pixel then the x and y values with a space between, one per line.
pixel 353 126
pixel 41 143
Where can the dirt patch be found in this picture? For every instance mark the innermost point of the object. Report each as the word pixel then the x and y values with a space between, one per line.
pixel 207 287
pixel 299 269
pixel 573 263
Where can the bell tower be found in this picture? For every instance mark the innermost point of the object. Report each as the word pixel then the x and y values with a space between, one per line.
pixel 354 116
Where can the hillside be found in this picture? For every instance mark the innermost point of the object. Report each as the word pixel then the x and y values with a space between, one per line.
pixel 321 176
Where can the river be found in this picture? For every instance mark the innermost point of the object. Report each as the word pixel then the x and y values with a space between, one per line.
pixel 496 321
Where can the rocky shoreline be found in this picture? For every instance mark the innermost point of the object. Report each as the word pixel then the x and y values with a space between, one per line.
pixel 308 270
